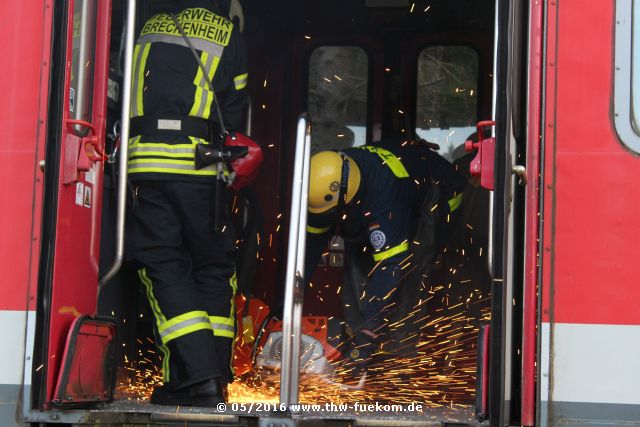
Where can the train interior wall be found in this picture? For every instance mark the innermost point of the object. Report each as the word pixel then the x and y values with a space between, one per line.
pixel 362 70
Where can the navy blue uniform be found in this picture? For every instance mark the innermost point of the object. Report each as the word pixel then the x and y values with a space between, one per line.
pixel 383 216
pixel 187 267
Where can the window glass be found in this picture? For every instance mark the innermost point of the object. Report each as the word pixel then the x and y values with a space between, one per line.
pixel 337 98
pixel 80 91
pixel 446 102
pixel 626 97
pixel 635 67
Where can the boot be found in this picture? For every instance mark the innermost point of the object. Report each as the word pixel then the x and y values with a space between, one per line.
pixel 208 393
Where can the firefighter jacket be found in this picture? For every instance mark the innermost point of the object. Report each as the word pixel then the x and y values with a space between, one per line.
pixel 383 214
pixel 169 89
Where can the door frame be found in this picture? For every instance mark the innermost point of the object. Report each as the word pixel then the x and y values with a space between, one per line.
pixel 59 305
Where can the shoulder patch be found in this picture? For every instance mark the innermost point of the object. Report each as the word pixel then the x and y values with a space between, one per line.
pixel 378 239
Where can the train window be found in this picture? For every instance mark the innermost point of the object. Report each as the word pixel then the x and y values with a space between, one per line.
pixel 635 67
pixel 337 97
pixel 80 92
pixel 627 74
pixel 447 101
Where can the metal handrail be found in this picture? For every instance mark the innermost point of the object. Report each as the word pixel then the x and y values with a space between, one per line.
pixel 124 145
pixel 87 36
pixel 248 128
pixel 294 284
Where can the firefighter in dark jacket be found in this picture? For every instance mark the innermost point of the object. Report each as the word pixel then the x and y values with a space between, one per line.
pixel 395 206
pixel 186 263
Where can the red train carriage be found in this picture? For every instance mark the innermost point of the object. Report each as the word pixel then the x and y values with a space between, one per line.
pixel 533 317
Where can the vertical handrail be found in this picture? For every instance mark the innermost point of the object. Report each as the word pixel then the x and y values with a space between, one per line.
pixel 294 283
pixel 247 131
pixel 494 106
pixel 87 31
pixel 124 144
pixel 248 128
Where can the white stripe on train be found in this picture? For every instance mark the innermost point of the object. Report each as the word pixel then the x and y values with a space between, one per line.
pixel 14 363
pixel 591 363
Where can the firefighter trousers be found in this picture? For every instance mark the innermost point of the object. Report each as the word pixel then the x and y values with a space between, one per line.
pixel 188 273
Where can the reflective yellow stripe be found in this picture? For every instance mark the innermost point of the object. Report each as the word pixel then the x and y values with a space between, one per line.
pixel 184 324
pixel 203 97
pixel 222 320
pixel 379 256
pixel 140 91
pixel 162 154
pixel 233 282
pixel 196 314
pixel 166 354
pixel 197 81
pixel 157 313
pixel 171 170
pixel 315 230
pixel 186 330
pixel 135 143
pixel 390 160
pixel 240 81
pixel 222 333
pixel 455 202
pixel 162 150
pixel 222 326
pixel 134 83
pixel 209 94
pixel 153 302
pixel 162 165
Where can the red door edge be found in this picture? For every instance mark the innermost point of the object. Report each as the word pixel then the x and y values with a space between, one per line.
pixel 87 302
pixel 532 219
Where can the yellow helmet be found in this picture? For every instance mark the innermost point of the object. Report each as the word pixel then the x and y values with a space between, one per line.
pixel 326 179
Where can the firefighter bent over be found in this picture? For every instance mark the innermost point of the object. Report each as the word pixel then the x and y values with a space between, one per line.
pixel 395 209
pixel 181 236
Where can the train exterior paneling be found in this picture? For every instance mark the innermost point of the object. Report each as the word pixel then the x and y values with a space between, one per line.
pixel 590 332
pixel 26 34
pixel 588 335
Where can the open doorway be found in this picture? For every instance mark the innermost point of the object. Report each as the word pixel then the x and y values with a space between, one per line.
pixel 361 70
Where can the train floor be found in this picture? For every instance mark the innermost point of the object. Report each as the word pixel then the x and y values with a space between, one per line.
pixel 238 414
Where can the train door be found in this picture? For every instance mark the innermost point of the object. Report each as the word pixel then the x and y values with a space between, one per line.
pixel 68 274
pixel 514 220
pixel 393 66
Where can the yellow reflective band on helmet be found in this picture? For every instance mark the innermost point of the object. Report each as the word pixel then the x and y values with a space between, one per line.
pixel 315 230
pixel 184 324
pixel 222 326
pixel 455 202
pixel 390 160
pixel 379 256
pixel 240 82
